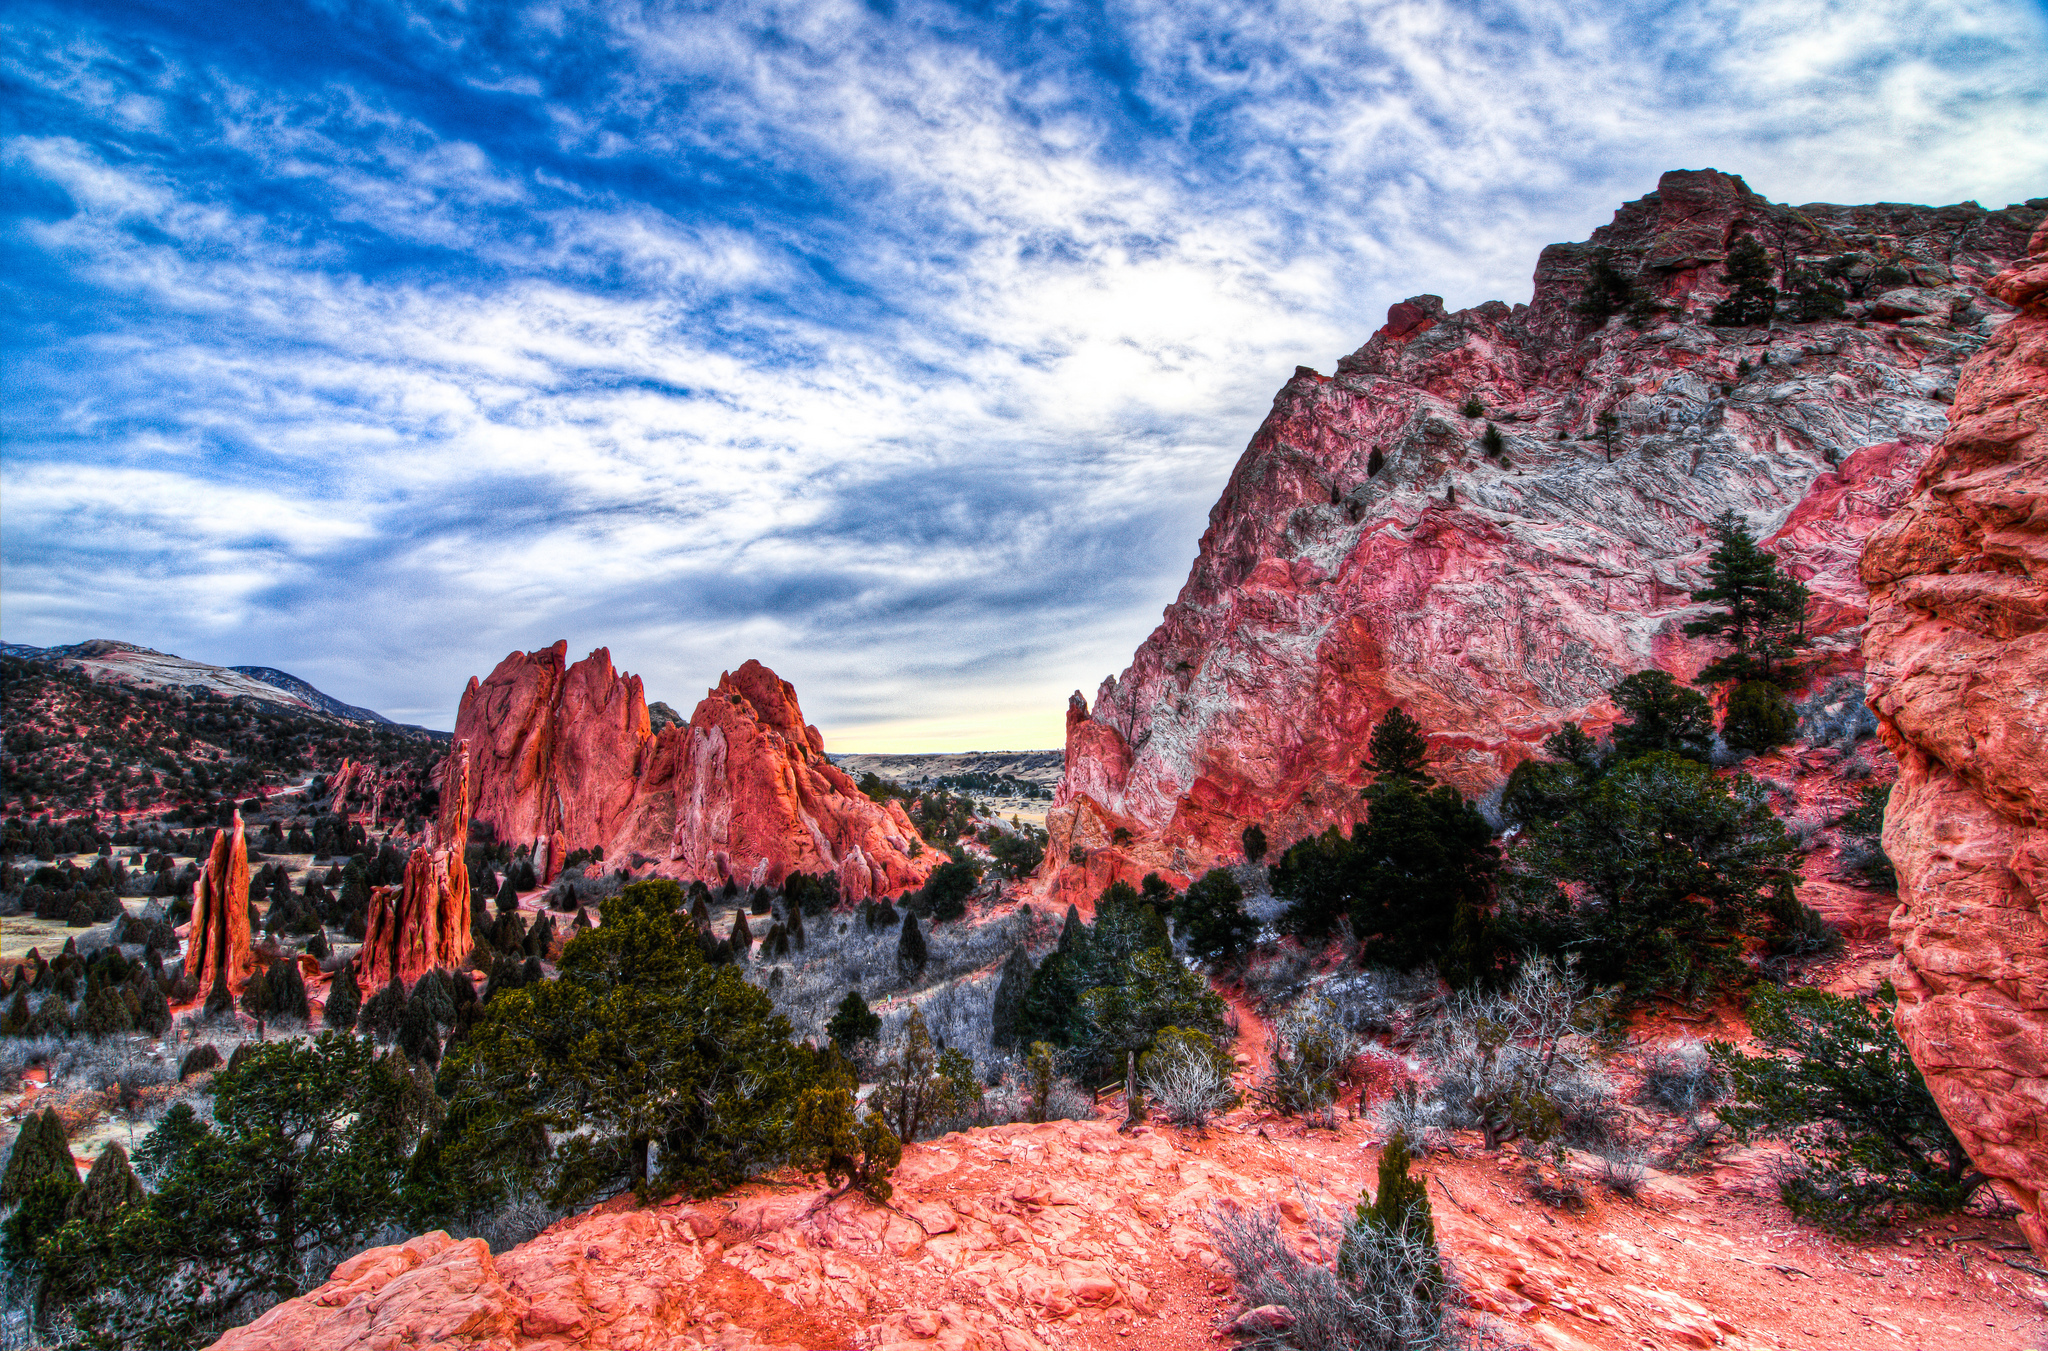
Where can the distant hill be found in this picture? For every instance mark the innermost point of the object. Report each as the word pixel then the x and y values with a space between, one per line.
pixel 145 668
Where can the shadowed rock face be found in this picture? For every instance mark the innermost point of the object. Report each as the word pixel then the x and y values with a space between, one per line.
pixel 742 792
pixel 1958 663
pixel 218 941
pixel 1368 552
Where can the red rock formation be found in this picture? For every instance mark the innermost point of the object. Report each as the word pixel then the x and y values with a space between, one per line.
pixel 218 940
pixel 1958 661
pixel 1367 552
pixel 426 923
pixel 743 792
pixel 345 778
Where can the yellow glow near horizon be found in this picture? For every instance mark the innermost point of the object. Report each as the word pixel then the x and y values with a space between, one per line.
pixel 1033 730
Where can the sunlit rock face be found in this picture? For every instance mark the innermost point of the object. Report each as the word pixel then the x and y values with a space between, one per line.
pixel 425 923
pixel 1958 666
pixel 1368 551
pixel 566 755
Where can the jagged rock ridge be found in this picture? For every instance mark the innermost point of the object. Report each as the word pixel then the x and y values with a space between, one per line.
pixel 566 755
pixel 1958 664
pixel 1368 551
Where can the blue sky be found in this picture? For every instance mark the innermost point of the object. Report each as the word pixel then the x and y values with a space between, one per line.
pixel 902 346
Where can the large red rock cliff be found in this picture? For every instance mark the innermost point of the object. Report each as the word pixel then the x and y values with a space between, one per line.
pixel 1367 551
pixel 742 792
pixel 1958 662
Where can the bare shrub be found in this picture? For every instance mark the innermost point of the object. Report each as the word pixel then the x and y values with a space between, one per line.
pixel 1187 1078
pixel 1681 1078
pixel 1505 1059
pixel 1622 1169
pixel 1390 1296
pixel 1275 976
pixel 1418 1117
pixel 1309 1050
pixel 1376 1000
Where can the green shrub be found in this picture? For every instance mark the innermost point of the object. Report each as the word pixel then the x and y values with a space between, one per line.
pixel 1473 408
pixel 1836 1080
pixel 1211 916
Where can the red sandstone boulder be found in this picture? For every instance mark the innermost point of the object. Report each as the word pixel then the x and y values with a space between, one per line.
pixel 1958 661
pixel 218 940
pixel 742 792
pixel 1367 552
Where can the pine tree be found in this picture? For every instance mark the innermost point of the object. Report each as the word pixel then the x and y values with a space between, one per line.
pixel 104 1014
pixel 1211 916
pixel 1665 716
pixel 219 1002
pixel 288 991
pixel 1761 612
pixel 1008 1004
pixel 40 1151
pixel 1759 717
pixel 742 938
pixel 1254 843
pixel 1751 297
pixel 110 1188
pixel 419 1038
pixel 17 1018
pixel 384 1011
pixel 1397 748
pixel 256 998
pixel 911 952
pixel 344 999
pixel 853 1023
pixel 508 897
pixel 541 937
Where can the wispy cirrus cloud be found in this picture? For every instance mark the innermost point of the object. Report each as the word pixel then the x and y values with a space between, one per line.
pixel 902 346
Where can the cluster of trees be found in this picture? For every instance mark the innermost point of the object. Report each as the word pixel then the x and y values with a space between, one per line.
pixel 1811 294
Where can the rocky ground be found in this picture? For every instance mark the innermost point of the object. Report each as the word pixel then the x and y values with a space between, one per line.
pixel 1071 1235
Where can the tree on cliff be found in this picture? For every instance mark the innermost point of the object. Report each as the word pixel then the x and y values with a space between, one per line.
pixel 639 1041
pixel 1656 879
pixel 1759 611
pixel 1421 872
pixel 1751 297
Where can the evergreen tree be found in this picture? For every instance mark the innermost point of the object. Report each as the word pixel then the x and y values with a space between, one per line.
pixel 1397 748
pixel 110 1188
pixel 17 1018
pixel 104 1014
pixel 1607 291
pixel 853 1023
pixel 1751 298
pixel 742 939
pixel 40 1151
pixel 508 897
pixel 419 1035
pixel 1759 717
pixel 911 952
pixel 1541 790
pixel 256 1000
pixel 288 991
pixel 1761 612
pixel 944 894
pixel 384 1012
pixel 219 1002
pixel 1254 843
pixel 1658 878
pixel 1211 916
pixel 1314 877
pixel 540 939
pixel 1664 717
pixel 344 999
pixel 1007 1008
pixel 1420 865
pixel 1051 1010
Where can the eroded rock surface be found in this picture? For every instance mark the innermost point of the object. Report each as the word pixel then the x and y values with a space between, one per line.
pixel 1958 664
pixel 567 755
pixel 1368 551
pixel 426 922
pixel 1071 1235
pixel 218 940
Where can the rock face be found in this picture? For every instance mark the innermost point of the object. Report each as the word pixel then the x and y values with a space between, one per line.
pixel 1958 660
pixel 1368 550
pixel 425 923
pixel 218 940
pixel 566 756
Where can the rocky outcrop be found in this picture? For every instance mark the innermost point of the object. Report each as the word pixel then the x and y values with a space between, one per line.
pixel 425 923
pixel 1074 1234
pixel 566 756
pixel 1958 664
pixel 1369 551
pixel 217 942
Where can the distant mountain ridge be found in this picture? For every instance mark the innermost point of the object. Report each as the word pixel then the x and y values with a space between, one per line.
pixel 131 664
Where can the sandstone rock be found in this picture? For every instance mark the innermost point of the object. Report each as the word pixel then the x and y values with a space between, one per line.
pixel 1264 1321
pixel 1366 553
pixel 742 793
pixel 426 923
pixel 1958 660
pixel 218 939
